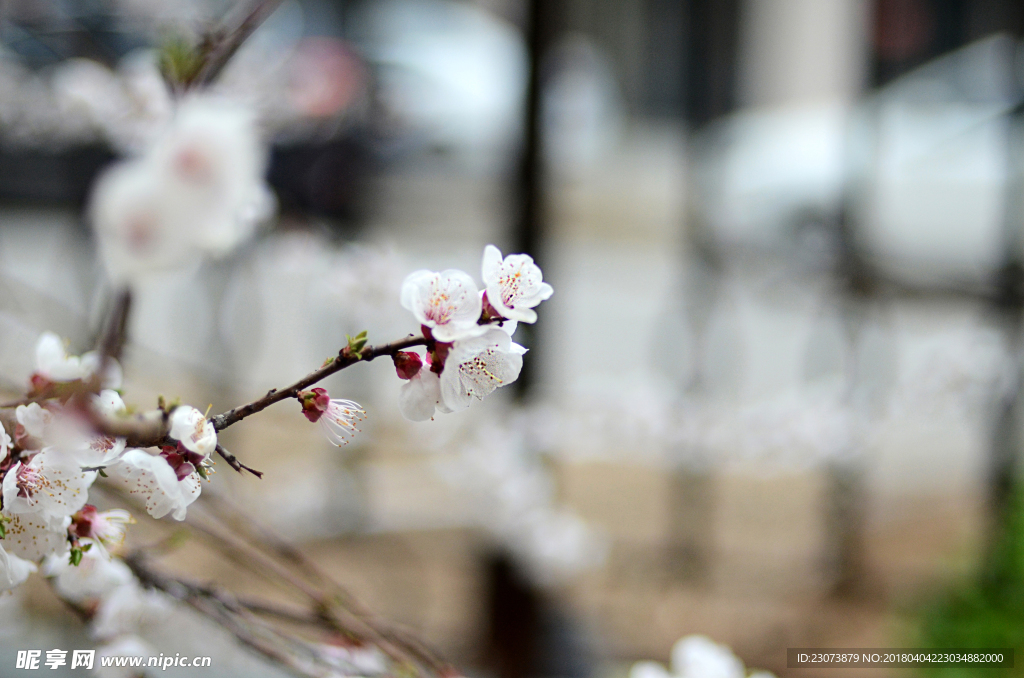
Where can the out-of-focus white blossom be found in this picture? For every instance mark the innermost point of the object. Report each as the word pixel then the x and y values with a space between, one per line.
pixel 514 499
pixel 5 443
pixel 13 570
pixel 102 530
pixel 129 609
pixel 53 363
pixel 49 483
pixel 192 429
pixel 197 191
pixel 211 160
pixel 514 285
pixel 362 279
pixel 648 669
pixel 701 657
pixel 95 577
pixel 34 420
pixel 124 646
pixel 447 302
pixel 696 657
pixel 33 536
pixel 475 367
pixel 151 479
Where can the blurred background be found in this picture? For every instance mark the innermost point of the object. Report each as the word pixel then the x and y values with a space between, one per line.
pixel 775 398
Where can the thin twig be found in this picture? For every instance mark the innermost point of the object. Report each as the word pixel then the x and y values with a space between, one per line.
pixel 233 462
pixel 232 616
pixel 344 359
pixel 220 54
pixel 148 430
pixel 261 534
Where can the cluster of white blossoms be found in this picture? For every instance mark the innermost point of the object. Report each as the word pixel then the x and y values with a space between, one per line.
pixel 196 190
pixel 55 455
pixel 697 657
pixel 470 351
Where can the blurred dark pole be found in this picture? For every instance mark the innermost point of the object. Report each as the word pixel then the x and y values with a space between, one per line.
pixel 513 611
pixel 1009 307
pixel 542 21
pixel 711 41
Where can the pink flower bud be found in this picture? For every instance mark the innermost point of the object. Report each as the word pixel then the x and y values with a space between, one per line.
pixel 314 403
pixel 407 364
pixel 182 468
pixel 82 523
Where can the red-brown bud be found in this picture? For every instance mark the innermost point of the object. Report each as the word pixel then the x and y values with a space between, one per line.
pixel 407 364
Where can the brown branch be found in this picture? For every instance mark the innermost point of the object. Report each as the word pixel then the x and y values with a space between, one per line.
pixel 111 344
pixel 229 40
pixel 232 616
pixel 344 359
pixel 380 631
pixel 233 462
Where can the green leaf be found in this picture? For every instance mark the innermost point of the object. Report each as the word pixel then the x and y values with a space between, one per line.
pixel 75 558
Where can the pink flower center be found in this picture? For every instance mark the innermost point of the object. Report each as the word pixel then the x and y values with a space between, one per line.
pixel 29 481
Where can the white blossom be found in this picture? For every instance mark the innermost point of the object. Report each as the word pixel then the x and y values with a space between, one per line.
pixel 49 483
pixel 123 646
pixel 701 657
pixel 447 302
pixel 5 443
pixel 55 364
pixel 128 608
pixel 13 570
pixel 151 479
pixel 339 421
pixel 697 657
pixel 92 579
pixel 197 190
pixel 33 536
pixel 420 396
pixel 475 367
pixel 647 669
pixel 211 159
pixel 102 530
pixel 193 430
pixel 514 285
pixel 66 431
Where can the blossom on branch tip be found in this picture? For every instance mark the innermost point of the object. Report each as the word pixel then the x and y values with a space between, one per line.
pixel 476 367
pixel 514 285
pixel 194 431
pixel 447 303
pixel 337 418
